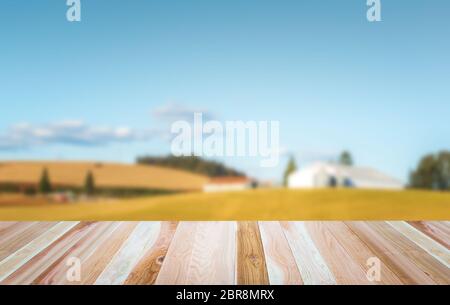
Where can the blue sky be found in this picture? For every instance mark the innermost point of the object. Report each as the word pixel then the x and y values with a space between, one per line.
pixel 332 79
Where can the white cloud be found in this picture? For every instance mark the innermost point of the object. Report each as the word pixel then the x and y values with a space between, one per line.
pixel 71 132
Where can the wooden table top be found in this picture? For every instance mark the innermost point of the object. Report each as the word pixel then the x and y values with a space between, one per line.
pixel 311 252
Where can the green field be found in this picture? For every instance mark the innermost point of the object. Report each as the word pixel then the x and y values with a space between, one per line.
pixel 275 204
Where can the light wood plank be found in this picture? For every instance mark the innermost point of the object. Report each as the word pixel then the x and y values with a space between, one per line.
pixel 140 241
pixel 175 268
pixel 426 262
pixel 213 254
pixel 281 266
pixel 6 224
pixel 16 242
pixel 57 272
pixel 19 258
pixel 45 258
pixel 102 256
pixel 439 231
pixel 251 263
pixel 312 266
pixel 396 260
pixel 359 251
pixel 147 269
pixel 428 244
pixel 336 256
pixel 208 259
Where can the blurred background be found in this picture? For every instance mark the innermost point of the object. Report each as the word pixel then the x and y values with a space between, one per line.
pixel 87 106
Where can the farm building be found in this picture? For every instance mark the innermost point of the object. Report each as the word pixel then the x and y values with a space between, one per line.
pixel 334 175
pixel 226 184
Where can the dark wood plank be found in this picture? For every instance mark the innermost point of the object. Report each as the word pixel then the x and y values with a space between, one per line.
pixel 251 263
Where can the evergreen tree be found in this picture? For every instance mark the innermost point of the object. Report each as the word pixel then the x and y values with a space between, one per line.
pixel 89 183
pixel 346 158
pixel 290 168
pixel 45 186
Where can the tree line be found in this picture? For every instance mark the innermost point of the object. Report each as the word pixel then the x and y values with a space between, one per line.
pixel 191 163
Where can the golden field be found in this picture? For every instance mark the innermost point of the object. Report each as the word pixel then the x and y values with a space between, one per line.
pixel 105 174
pixel 274 204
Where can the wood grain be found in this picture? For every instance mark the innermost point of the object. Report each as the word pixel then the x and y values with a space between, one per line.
pixel 359 251
pixel 281 266
pixel 428 244
pixel 98 260
pixel 44 259
pixel 396 260
pixel 310 262
pixel 31 232
pixel 440 232
pixel 142 239
pixel 215 252
pixel 20 257
pixel 438 272
pixel 176 265
pixel 57 272
pixel 210 260
pixel 147 269
pixel 251 263
pixel 336 256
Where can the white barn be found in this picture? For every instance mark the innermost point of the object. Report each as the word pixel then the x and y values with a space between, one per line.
pixel 320 175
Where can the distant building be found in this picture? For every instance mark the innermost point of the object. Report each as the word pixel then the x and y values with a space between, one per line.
pixel 227 184
pixel 334 175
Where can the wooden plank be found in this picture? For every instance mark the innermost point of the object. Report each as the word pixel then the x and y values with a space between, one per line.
pixel 426 262
pixel 428 244
pixel 6 224
pixel 19 258
pixel 175 268
pixel 11 232
pixel 207 258
pixel 439 231
pixel 281 266
pixel 336 256
pixel 9 235
pixel 251 263
pixel 57 272
pixel 396 260
pixel 359 251
pixel 139 242
pixel 45 258
pixel 147 269
pixel 102 256
pixel 213 254
pixel 312 266
pixel 16 242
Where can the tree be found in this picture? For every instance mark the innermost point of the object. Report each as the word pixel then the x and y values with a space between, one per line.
pixel 346 158
pixel 45 186
pixel 290 168
pixel 432 172
pixel 89 183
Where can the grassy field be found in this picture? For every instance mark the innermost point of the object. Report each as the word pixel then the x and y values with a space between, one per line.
pixel 107 175
pixel 21 200
pixel 281 204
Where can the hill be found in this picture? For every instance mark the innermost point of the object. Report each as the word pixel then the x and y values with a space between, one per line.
pixel 107 175
pixel 275 204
